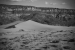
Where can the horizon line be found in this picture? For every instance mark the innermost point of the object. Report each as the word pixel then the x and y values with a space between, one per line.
pixel 36 6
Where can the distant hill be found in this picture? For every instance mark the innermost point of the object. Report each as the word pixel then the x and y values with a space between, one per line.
pixel 44 15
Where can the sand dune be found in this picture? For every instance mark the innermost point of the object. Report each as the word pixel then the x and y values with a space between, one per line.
pixel 31 25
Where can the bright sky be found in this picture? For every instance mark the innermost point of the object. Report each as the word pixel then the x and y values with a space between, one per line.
pixel 42 3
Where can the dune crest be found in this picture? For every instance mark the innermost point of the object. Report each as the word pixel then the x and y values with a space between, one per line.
pixel 32 25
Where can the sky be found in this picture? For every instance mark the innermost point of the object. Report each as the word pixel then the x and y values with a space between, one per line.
pixel 69 4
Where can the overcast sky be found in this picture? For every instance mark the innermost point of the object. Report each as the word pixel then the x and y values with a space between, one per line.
pixel 42 3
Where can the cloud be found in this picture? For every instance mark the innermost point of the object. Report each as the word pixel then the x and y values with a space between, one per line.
pixel 17 0
pixel 63 3
pixel 33 0
pixel 53 3
pixel 57 3
pixel 24 0
pixel 46 3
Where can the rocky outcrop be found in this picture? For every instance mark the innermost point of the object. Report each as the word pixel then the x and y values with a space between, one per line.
pixel 50 16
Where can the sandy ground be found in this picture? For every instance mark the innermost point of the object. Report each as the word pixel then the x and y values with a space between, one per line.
pixel 55 38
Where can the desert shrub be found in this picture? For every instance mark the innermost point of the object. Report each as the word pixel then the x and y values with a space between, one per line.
pixel 6 20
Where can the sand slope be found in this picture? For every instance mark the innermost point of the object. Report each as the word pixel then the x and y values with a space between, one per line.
pixel 31 25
